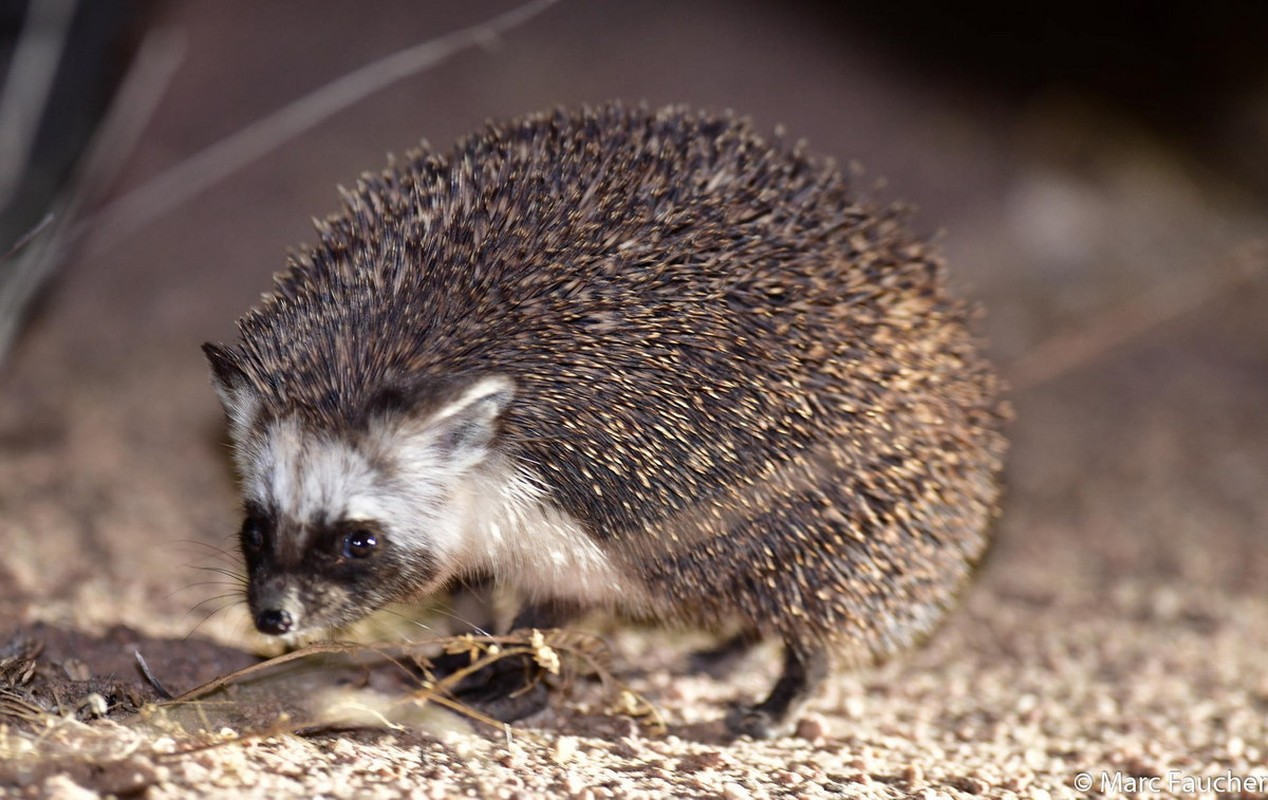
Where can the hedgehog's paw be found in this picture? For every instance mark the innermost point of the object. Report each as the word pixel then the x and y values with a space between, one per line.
pixel 805 668
pixel 522 701
pixel 758 722
pixel 507 690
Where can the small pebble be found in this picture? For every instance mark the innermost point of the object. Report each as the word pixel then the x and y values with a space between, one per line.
pixel 565 749
pixel 812 728
pixel 60 787
pixel 76 670
pixel 787 778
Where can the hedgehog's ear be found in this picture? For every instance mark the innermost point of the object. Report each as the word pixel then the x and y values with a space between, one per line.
pixel 232 385
pixel 467 423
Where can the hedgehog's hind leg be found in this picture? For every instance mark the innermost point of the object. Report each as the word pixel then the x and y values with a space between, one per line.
pixel 805 668
pixel 722 659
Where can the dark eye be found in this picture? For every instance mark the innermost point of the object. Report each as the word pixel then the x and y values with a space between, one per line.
pixel 252 534
pixel 360 543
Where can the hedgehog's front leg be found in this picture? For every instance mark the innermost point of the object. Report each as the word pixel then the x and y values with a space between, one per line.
pixel 805 668
pixel 514 687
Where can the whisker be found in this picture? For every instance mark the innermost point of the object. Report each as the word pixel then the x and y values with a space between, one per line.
pixel 463 620
pixel 237 575
pixel 207 547
pixel 236 584
pixel 406 618
pixel 211 614
pixel 198 606
pixel 170 595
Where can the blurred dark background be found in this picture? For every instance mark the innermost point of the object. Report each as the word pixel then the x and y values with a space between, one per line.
pixel 1194 75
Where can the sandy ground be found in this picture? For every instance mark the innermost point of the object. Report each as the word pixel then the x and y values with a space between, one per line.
pixel 1116 633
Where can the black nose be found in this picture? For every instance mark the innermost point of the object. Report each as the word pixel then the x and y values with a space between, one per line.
pixel 274 621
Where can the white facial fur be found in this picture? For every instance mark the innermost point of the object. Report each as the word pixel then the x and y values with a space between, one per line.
pixel 314 478
pixel 470 508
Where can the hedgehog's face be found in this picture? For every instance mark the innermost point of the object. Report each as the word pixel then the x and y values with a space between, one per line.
pixel 339 524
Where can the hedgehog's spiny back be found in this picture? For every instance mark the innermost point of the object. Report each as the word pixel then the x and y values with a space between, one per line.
pixel 554 214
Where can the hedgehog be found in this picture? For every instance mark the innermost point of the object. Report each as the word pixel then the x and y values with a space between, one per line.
pixel 643 361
